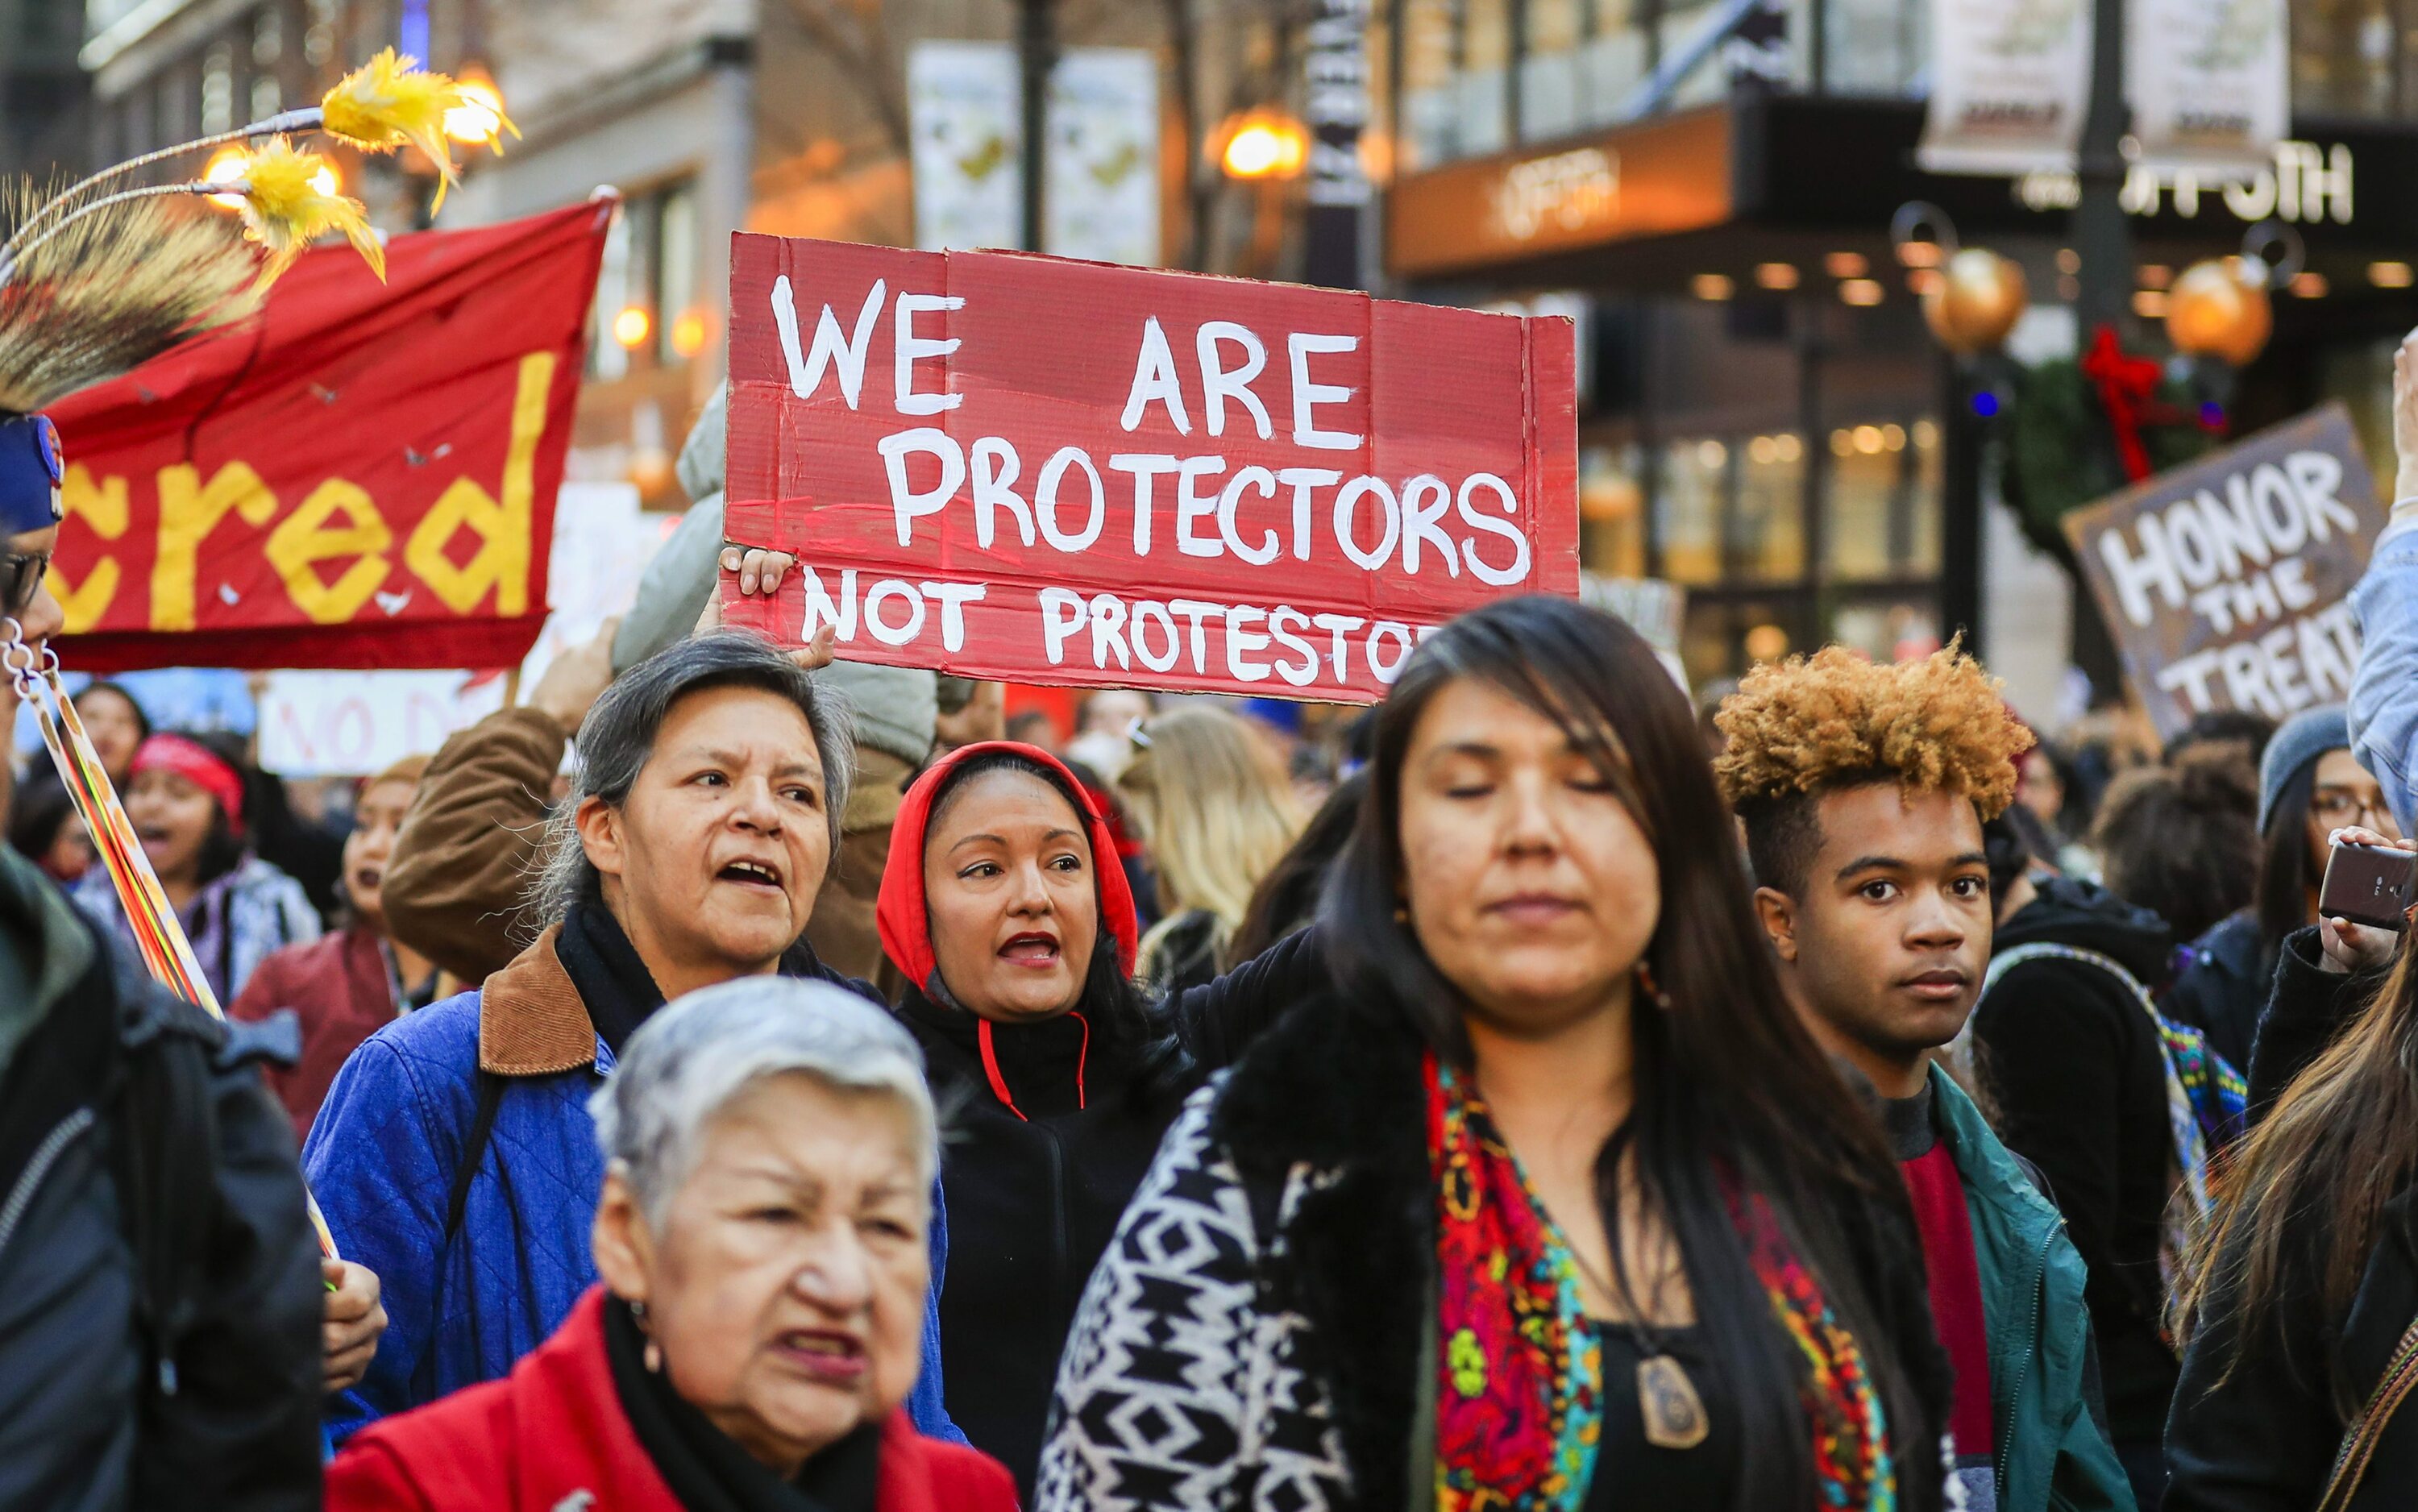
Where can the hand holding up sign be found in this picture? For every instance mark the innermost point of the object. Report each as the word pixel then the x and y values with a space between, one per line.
pixel 759 574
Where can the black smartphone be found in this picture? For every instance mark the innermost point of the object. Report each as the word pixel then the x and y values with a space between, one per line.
pixel 2369 885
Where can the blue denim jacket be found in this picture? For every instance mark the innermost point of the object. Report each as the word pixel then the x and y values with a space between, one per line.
pixel 381 1159
pixel 2384 688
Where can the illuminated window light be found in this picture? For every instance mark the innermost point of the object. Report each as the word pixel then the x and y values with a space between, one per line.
pixel 2149 304
pixel 1715 286
pixel 1861 291
pixel 1776 275
pixel 2389 275
pixel 2310 286
pixel 1846 264
pixel 1919 253
pixel 2157 275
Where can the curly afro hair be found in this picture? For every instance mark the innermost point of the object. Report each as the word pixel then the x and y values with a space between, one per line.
pixel 1814 725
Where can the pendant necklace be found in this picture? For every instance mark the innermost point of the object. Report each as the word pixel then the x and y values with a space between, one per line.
pixel 1666 1398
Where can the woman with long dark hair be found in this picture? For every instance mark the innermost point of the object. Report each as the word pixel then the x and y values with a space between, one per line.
pixel 1553 1202
pixel 2309 1283
pixel 1004 908
pixel 2309 786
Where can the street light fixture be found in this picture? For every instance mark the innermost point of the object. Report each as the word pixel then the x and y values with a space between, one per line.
pixel 1263 144
pixel 632 325
pixel 481 116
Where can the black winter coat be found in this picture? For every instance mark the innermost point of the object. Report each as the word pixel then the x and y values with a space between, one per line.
pixel 2224 990
pixel 1032 1200
pixel 2306 1007
pixel 2076 1080
pixel 101 1065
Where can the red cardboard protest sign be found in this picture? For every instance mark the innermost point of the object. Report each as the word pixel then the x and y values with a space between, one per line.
pixel 1026 467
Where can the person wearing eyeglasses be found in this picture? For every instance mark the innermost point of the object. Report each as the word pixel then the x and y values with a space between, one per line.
pixel 2309 786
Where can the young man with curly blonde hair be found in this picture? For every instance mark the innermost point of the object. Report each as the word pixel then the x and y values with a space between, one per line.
pixel 1863 789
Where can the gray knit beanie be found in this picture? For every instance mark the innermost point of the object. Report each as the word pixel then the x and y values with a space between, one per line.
pixel 2303 737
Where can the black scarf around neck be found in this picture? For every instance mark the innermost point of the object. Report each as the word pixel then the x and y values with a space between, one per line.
pixel 705 1468
pixel 614 984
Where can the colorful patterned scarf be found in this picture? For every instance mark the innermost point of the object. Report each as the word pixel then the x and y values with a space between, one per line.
pixel 1520 1373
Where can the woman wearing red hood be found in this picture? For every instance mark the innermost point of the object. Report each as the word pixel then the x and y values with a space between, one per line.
pixel 1004 908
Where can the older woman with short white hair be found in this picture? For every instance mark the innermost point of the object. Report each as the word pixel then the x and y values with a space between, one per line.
pixel 770 1146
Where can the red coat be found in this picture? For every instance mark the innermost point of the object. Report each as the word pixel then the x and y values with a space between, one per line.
pixel 552 1435
pixel 338 986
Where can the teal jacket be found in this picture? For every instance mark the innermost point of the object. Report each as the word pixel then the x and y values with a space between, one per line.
pixel 2053 1453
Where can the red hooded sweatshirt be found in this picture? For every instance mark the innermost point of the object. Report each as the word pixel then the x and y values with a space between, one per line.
pixel 906 923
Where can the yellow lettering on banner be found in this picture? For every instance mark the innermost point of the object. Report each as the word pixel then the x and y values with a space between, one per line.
pixel 104 507
pixel 502 562
pixel 303 539
pixel 189 511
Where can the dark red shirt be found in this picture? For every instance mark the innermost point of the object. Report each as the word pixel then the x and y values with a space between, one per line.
pixel 1955 1275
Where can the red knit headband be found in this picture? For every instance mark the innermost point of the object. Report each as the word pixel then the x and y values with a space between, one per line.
pixel 197 764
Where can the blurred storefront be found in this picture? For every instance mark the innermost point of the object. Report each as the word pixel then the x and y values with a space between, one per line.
pixel 1712 183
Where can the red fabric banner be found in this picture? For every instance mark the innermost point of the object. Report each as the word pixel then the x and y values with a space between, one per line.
pixel 361 475
pixel 1051 471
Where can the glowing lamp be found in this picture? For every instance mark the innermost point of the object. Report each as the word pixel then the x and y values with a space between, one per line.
pixel 1261 145
pixel 688 333
pixel 629 326
pixel 479 116
pixel 1979 298
pixel 226 165
pixel 2220 309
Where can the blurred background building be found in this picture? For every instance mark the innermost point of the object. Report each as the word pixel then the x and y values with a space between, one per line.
pixel 1707 185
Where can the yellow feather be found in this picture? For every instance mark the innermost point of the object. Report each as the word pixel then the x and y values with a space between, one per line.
pixel 284 210
pixel 390 102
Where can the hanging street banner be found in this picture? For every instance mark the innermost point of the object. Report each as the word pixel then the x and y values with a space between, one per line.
pixel 1100 198
pixel 2010 85
pixel 1039 470
pixel 2210 84
pixel 2228 582
pixel 361 475
pixel 966 133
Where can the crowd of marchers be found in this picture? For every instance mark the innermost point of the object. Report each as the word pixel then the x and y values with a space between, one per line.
pixel 808 1097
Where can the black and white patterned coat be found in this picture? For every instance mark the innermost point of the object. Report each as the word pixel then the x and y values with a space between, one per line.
pixel 1250 1342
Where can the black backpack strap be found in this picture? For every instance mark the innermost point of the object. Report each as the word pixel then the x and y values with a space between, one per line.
pixel 474 1149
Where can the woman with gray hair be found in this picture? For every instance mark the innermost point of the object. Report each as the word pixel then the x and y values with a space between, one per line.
pixel 769 1149
pixel 453 1154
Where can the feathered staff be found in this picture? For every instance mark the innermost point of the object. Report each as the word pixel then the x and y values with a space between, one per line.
pixel 97 279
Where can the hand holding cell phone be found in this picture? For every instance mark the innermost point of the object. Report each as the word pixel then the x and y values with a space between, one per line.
pixel 2363 904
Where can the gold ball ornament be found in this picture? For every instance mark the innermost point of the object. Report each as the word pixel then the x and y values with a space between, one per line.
pixel 1975 302
pixel 2220 309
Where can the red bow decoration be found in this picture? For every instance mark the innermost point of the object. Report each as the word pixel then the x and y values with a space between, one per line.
pixel 2126 385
